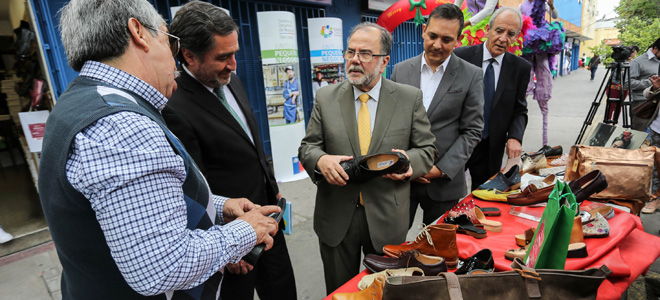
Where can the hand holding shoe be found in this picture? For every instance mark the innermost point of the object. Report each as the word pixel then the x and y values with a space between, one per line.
pixel 332 171
pixel 265 227
pixel 396 176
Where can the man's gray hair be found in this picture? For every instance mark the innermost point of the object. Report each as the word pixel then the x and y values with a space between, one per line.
pixel 503 9
pixel 385 36
pixel 98 29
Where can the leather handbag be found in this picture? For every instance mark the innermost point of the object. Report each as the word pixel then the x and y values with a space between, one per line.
pixel 521 283
pixel 628 172
pixel 647 109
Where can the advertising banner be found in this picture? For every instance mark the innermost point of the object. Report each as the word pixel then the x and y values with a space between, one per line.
pixel 325 47
pixel 279 54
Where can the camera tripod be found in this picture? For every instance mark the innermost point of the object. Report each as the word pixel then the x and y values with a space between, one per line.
pixel 617 71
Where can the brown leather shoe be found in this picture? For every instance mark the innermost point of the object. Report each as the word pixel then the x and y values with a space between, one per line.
pixel 530 195
pixel 587 185
pixel 374 291
pixel 431 265
pixel 434 240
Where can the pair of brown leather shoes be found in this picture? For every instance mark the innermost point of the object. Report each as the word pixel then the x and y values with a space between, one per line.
pixel 585 186
pixel 430 265
pixel 434 240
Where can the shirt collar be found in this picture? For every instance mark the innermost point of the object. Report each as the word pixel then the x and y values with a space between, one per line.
pixel 374 93
pixel 193 76
pixel 651 55
pixel 443 65
pixel 118 78
pixel 488 56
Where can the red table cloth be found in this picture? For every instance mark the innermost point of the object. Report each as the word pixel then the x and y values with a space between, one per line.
pixel 628 251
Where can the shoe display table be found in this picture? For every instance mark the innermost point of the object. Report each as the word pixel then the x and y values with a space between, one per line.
pixel 628 251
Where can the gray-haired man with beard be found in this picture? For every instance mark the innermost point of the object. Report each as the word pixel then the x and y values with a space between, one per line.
pixel 365 115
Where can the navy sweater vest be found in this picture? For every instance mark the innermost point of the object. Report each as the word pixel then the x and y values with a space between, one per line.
pixel 89 271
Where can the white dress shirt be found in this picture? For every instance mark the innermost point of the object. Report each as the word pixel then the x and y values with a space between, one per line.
pixel 497 64
pixel 430 79
pixel 372 103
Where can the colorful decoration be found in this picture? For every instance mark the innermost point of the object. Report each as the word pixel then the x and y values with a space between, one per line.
pixel 405 10
pixel 546 37
pixel 417 6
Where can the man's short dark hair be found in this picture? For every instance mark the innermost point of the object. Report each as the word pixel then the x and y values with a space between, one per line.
pixel 448 11
pixel 655 44
pixel 197 23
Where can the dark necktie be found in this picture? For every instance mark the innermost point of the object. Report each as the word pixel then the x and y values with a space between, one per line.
pixel 221 96
pixel 489 92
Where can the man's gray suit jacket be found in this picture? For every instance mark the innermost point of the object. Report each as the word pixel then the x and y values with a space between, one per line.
pixel 456 116
pixel 400 123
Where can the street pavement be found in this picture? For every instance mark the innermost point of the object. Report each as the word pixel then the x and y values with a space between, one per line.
pixel 35 274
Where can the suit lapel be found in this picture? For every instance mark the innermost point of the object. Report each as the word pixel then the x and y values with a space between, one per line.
pixel 414 76
pixel 208 101
pixel 477 57
pixel 246 109
pixel 384 113
pixel 347 107
pixel 505 73
pixel 446 82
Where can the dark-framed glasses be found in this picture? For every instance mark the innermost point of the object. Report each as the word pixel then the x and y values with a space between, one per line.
pixel 175 41
pixel 364 57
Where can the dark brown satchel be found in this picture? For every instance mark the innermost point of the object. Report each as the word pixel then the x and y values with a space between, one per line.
pixel 646 109
pixel 521 283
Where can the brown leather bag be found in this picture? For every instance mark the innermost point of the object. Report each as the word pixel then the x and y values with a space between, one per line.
pixel 628 172
pixel 521 283
pixel 646 109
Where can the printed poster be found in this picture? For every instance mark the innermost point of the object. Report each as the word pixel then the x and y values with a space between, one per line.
pixel 280 63
pixel 325 47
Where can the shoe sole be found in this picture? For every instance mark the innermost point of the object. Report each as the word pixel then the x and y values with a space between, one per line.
pixel 450 264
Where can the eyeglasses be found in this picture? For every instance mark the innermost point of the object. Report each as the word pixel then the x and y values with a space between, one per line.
pixel 364 57
pixel 175 41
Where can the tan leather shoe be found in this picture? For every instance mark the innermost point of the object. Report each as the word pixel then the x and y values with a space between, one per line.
pixel 368 280
pixel 576 246
pixel 534 162
pixel 373 292
pixel 434 240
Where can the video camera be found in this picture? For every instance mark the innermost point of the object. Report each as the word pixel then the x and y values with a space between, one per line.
pixel 621 53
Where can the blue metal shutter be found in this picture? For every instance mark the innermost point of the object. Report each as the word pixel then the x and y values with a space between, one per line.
pixel 407 42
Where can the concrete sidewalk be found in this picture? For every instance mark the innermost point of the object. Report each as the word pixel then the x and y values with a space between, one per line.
pixel 34 274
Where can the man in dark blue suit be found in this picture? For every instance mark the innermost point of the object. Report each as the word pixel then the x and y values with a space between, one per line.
pixel 505 106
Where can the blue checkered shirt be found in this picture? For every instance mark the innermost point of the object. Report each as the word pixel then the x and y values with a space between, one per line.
pixel 124 164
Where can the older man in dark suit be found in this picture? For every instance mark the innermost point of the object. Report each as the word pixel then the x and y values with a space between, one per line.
pixel 211 115
pixel 505 81
pixel 453 97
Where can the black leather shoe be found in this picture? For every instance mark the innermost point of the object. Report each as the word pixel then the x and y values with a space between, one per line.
pixel 503 182
pixel 465 226
pixel 587 185
pixel 482 262
pixel 550 151
pixel 363 168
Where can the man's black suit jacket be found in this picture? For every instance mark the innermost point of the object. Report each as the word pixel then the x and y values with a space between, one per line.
pixel 233 166
pixel 508 116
